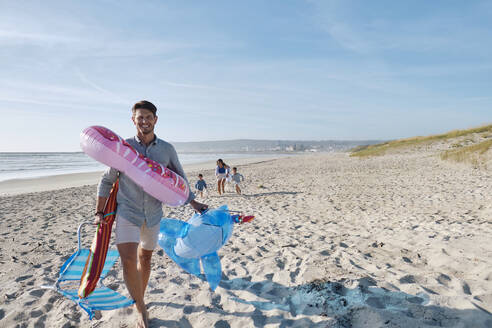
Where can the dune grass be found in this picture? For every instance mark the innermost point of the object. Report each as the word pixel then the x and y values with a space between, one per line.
pixel 471 154
pixel 380 149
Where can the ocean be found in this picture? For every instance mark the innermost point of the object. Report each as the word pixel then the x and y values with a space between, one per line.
pixel 31 165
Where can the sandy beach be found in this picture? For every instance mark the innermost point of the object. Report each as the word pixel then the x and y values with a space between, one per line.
pixel 401 240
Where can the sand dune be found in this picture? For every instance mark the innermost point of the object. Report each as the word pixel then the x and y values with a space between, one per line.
pixel 401 240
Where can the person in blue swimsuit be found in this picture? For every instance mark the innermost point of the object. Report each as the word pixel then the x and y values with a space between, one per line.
pixel 220 173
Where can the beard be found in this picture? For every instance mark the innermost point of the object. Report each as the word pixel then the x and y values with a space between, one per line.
pixel 147 130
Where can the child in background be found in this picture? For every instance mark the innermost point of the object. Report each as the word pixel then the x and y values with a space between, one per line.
pixel 220 173
pixel 200 185
pixel 236 179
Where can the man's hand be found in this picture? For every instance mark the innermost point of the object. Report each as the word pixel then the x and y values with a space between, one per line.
pixel 98 218
pixel 198 207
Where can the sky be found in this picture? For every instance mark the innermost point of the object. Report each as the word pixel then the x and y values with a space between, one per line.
pixel 220 70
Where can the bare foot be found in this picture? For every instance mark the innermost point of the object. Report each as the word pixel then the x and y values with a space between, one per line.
pixel 142 318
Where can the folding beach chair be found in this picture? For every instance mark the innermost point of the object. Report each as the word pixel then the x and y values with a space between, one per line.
pixel 102 298
pixel 100 246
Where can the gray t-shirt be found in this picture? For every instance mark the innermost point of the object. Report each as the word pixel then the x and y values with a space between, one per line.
pixel 134 204
pixel 237 177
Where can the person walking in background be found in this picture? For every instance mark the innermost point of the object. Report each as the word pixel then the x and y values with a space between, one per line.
pixel 138 214
pixel 236 179
pixel 220 173
pixel 200 185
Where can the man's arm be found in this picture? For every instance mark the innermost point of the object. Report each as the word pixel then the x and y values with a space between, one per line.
pixel 101 203
pixel 103 189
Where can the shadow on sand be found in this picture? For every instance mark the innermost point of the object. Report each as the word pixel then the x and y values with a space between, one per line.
pixel 273 193
pixel 364 305
pixel 262 194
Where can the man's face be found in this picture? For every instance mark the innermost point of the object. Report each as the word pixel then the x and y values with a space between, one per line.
pixel 144 121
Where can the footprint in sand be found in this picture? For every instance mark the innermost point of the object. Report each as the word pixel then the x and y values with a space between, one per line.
pixel 430 291
pixel 216 301
pixel 177 280
pixel 36 313
pixel 29 303
pixel 293 275
pixel 406 259
pixel 22 278
pixel 222 324
pixel 466 288
pixel 280 263
pixel 194 286
pixel 408 279
pixel 443 279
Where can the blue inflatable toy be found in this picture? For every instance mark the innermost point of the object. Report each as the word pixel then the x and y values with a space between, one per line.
pixel 199 239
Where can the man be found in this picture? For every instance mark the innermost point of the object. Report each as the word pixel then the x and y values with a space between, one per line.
pixel 138 214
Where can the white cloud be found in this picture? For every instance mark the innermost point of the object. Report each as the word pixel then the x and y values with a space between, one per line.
pixel 10 37
pixel 117 99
